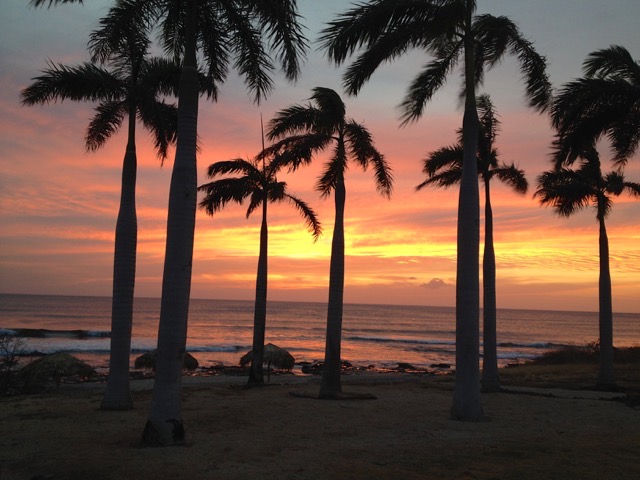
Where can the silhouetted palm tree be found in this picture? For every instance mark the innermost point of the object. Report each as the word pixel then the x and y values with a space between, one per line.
pixel 570 190
pixel 311 129
pixel 444 168
pixel 606 102
pixel 257 182
pixel 127 90
pixel 247 35
pixel 381 30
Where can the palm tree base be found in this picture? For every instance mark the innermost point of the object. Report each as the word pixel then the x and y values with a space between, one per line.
pixel 255 382
pixel 166 434
pixel 489 386
pixel 117 395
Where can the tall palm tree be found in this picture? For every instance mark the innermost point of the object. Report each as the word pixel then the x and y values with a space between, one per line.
pixel 605 102
pixel 444 169
pixel 127 88
pixel 570 190
pixel 244 34
pixel 448 31
pixel 239 33
pixel 311 129
pixel 256 181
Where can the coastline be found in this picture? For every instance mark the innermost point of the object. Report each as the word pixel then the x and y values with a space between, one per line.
pixel 405 433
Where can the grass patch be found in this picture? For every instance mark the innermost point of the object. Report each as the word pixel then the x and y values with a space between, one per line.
pixel 586 354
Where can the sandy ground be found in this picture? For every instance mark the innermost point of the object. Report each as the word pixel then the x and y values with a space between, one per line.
pixel 267 433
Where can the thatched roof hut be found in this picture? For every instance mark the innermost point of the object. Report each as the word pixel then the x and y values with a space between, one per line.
pixel 274 356
pixel 55 366
pixel 148 360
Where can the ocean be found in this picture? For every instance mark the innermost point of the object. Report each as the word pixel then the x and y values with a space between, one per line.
pixel 220 331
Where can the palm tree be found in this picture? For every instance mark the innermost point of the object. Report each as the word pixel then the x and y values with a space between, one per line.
pixel 241 33
pixel 311 129
pixel 444 169
pixel 128 90
pixel 448 31
pixel 257 182
pixel 570 190
pixel 606 102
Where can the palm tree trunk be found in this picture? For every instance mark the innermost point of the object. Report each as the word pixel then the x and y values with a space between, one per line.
pixel 331 386
pixel 490 377
pixel 117 395
pixel 164 425
pixel 605 374
pixel 256 375
pixel 466 394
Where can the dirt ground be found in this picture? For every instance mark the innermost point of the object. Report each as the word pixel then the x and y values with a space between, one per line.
pixel 268 433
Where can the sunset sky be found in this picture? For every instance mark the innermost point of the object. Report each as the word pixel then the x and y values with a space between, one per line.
pixel 58 204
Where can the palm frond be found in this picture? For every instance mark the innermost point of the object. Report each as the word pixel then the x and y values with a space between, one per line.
pixel 384 29
pixel 588 108
pixel 427 82
pixel 292 120
pixel 38 3
pixel 235 166
pixel 443 167
pixel 333 171
pixel 331 107
pixel 105 123
pixel 251 59
pixel 443 158
pixel 294 151
pixel 215 45
pixel 280 23
pixel 308 214
pixel 511 176
pixel 444 178
pixel 564 190
pixel 363 151
pixel 123 31
pixel 84 82
pixel 256 199
pixel 161 119
pixel 160 76
pixel 632 188
pixel 614 62
pixel 172 28
pixel 223 191
pixel 499 34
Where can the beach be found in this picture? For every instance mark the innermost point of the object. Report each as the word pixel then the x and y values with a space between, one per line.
pixel 545 425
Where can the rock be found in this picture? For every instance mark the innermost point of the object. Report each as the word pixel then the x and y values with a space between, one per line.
pixel 440 365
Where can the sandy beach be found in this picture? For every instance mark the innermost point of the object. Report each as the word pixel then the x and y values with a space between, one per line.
pixel 268 433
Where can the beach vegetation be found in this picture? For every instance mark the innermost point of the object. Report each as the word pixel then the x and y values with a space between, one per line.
pixel 305 130
pixel 571 189
pixel 444 169
pixel 257 182
pixel 450 33
pixel 11 349
pixel 129 87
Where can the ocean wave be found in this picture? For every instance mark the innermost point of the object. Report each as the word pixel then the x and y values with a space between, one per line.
pixel 47 333
pixel 532 345
pixel 219 348
pixel 410 341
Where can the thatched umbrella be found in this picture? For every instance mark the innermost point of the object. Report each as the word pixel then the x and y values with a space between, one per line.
pixel 273 355
pixel 56 366
pixel 148 360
